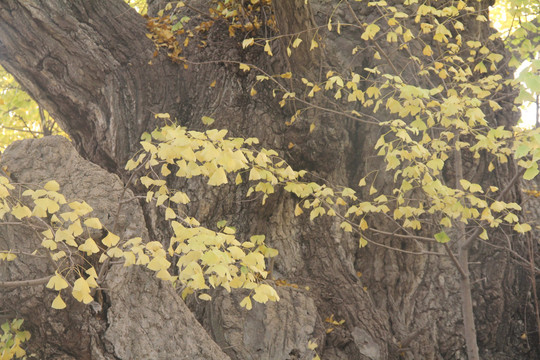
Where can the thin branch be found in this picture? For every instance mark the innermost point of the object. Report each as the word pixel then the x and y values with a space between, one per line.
pixel 413 237
pixel 44 123
pixel 33 132
pixel 200 12
pixel 404 251
pixel 520 260
pixel 454 260
pixel 19 283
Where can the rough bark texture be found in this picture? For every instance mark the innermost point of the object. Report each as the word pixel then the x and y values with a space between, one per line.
pixel 274 331
pixel 87 63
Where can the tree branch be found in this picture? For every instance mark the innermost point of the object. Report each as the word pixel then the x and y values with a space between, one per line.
pixel 19 283
pixel 86 63
pixel 455 260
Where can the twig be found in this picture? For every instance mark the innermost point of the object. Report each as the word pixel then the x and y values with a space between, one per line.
pixel 33 132
pixel 413 237
pixel 404 251
pixel 200 12
pixel 19 283
pixel 454 260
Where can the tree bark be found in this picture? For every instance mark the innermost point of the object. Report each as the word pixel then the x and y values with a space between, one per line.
pixel 90 65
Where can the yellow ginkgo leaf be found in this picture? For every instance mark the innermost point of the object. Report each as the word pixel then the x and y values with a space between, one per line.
pixel 65 235
pixel 163 275
pixel 169 214
pixel 81 291
pixel 248 42
pixel 522 228
pixel 58 303
pixel 49 244
pixel 268 49
pixel 81 285
pixel 52 186
pixel 246 302
pixel 158 263
pixel 265 292
pixel 371 31
pixel 238 179
pixel 57 282
pixel 92 272
pixel 115 252
pixel 76 229
pixel 363 242
pixel 244 67
pixel 49 204
pixel 21 212
pixel 130 259
pixel 298 210
pixel 93 223
pixel 92 282
pixel 205 297
pixel 236 252
pixel 80 208
pixel 207 120
pixel 427 51
pixel 110 240
pixel 363 224
pixel 346 226
pixel 89 247
pixel 218 178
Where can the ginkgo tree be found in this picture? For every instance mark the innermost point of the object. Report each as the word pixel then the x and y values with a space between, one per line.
pixel 432 90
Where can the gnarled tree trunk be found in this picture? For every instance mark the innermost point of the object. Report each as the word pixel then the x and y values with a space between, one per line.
pixel 89 63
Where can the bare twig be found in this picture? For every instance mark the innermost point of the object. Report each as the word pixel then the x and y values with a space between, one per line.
pixel 200 12
pixel 45 128
pixel 404 251
pixel 19 283
pixel 394 233
pixel 454 260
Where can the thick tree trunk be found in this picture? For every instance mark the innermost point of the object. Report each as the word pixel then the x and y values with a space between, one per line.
pixel 88 63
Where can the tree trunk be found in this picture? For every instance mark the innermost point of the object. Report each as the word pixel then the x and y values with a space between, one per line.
pixel 90 65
